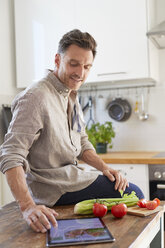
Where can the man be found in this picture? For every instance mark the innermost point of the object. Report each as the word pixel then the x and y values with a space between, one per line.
pixel 46 137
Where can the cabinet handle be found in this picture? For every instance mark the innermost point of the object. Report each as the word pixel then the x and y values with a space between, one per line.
pixel 123 172
pixel 160 186
pixel 111 73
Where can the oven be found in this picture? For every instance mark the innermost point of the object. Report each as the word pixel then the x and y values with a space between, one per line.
pixel 157 182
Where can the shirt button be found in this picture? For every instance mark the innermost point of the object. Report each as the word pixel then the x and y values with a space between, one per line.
pixel 66 90
pixel 60 92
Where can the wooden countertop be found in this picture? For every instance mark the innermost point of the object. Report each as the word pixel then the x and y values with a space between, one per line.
pixel 15 233
pixel 139 157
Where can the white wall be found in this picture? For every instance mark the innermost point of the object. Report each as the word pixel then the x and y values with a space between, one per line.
pixel 7 49
pixel 7 59
pixel 134 134
pixel 7 75
pixel 160 16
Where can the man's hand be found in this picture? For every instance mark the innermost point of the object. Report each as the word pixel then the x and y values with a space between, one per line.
pixel 90 157
pixel 114 175
pixel 39 216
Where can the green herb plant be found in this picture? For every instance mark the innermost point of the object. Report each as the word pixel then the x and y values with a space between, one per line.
pixel 101 133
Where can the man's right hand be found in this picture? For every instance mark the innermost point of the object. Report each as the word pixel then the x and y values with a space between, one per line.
pixel 39 217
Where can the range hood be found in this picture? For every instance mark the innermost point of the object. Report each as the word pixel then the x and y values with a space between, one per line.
pixel 157 35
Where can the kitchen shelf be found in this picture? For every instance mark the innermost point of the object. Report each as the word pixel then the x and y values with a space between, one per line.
pixel 119 84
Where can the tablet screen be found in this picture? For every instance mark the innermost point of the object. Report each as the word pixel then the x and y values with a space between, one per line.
pixel 78 231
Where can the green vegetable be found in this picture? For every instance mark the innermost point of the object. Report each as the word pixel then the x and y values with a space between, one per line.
pixel 85 207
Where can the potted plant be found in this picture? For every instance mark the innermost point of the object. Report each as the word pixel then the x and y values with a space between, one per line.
pixel 100 135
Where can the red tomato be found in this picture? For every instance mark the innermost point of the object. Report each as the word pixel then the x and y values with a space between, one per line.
pixel 142 203
pixel 119 210
pixel 151 205
pixel 99 209
pixel 157 200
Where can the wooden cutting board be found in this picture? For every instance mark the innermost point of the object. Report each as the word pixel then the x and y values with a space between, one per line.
pixel 143 211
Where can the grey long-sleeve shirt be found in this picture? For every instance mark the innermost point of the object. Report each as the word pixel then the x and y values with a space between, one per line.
pixel 42 138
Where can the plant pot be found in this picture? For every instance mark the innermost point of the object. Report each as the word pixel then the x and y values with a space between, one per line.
pixel 101 147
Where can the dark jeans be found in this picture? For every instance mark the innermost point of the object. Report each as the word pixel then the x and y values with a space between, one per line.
pixel 102 187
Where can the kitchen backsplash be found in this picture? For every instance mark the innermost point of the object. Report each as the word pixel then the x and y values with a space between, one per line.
pixel 132 134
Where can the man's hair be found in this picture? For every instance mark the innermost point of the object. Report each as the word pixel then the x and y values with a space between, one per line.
pixel 76 37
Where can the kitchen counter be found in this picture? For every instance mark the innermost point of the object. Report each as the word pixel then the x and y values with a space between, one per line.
pixel 139 157
pixel 15 233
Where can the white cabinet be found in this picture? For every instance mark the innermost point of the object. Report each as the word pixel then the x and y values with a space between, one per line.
pixel 119 28
pixel 135 173
pixel 39 25
pixel 5 193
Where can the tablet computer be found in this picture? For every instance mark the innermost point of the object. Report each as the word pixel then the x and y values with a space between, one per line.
pixel 78 231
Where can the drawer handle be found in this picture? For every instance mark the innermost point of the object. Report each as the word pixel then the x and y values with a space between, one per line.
pixel 122 172
pixel 111 73
pixel 160 186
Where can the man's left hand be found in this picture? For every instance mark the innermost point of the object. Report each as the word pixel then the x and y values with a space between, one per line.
pixel 114 175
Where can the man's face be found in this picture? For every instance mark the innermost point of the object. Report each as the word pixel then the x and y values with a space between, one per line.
pixel 72 68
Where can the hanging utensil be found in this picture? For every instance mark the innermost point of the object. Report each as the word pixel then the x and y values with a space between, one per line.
pixel 119 109
pixel 143 115
pixel 136 109
pixel 90 121
pixel 85 107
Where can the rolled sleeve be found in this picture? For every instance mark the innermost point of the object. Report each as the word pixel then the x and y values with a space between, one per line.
pixel 11 161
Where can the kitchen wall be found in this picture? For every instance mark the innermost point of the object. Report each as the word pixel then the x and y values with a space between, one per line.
pixel 7 76
pixel 132 134
pixel 7 61
pixel 160 16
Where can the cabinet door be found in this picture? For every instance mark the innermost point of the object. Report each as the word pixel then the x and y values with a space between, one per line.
pixel 39 25
pixel 135 173
pixel 5 193
pixel 119 28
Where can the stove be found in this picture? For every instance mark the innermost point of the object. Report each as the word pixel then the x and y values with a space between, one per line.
pixel 157 179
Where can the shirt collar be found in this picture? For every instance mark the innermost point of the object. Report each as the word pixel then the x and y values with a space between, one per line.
pixel 60 87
